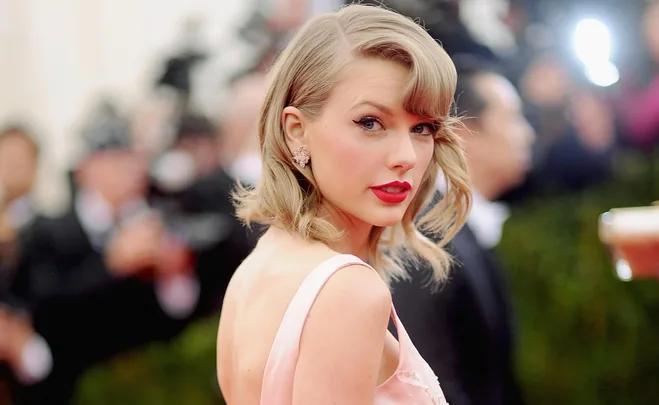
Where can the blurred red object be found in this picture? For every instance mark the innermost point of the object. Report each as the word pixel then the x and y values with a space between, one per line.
pixel 632 235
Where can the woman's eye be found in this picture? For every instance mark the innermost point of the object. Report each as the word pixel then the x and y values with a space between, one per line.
pixel 370 124
pixel 425 129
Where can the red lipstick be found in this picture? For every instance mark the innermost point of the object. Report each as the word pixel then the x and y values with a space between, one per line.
pixel 392 193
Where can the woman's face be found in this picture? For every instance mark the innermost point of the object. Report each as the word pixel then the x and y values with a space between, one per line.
pixel 368 155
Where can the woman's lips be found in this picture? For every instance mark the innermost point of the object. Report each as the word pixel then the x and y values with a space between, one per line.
pixel 394 192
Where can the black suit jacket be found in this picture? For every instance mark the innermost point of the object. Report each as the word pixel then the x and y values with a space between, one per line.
pixel 87 315
pixel 84 313
pixel 463 329
pixel 209 199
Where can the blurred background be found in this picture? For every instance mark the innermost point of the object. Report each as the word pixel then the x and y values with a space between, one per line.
pixel 125 124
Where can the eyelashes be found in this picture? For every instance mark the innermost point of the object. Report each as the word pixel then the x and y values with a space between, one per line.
pixel 373 124
pixel 432 129
pixel 369 124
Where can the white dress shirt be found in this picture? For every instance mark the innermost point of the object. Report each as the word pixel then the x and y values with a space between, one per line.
pixel 247 168
pixel 486 218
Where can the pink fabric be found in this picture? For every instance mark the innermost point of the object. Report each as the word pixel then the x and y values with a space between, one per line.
pixel 412 383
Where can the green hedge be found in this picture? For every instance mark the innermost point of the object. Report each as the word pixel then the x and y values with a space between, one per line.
pixel 178 372
pixel 585 337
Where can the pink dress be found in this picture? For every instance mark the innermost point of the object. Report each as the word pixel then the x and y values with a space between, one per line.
pixel 413 382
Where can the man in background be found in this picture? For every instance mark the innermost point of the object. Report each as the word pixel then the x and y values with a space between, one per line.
pixel 464 329
pixel 20 345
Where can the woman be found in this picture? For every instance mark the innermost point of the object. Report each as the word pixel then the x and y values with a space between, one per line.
pixel 354 129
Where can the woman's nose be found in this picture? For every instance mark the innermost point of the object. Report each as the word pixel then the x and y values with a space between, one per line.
pixel 403 155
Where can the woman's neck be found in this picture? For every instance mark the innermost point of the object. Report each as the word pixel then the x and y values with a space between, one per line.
pixel 355 234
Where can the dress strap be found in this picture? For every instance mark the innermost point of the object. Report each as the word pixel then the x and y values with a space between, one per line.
pixel 282 360
pixel 404 339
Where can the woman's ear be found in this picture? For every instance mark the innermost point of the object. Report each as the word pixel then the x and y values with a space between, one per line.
pixel 292 121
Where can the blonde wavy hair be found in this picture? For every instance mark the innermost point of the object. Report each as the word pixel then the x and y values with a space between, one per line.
pixel 303 76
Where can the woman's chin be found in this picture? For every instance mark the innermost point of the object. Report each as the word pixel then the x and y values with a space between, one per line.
pixel 387 221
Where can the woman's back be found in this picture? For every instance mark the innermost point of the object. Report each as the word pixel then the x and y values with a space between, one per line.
pixel 256 300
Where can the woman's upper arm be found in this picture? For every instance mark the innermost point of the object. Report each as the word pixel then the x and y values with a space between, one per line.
pixel 343 340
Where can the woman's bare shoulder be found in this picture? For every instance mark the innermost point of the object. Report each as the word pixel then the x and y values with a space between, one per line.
pixel 344 332
pixel 356 287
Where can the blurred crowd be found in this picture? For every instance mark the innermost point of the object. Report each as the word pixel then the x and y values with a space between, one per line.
pixel 149 241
